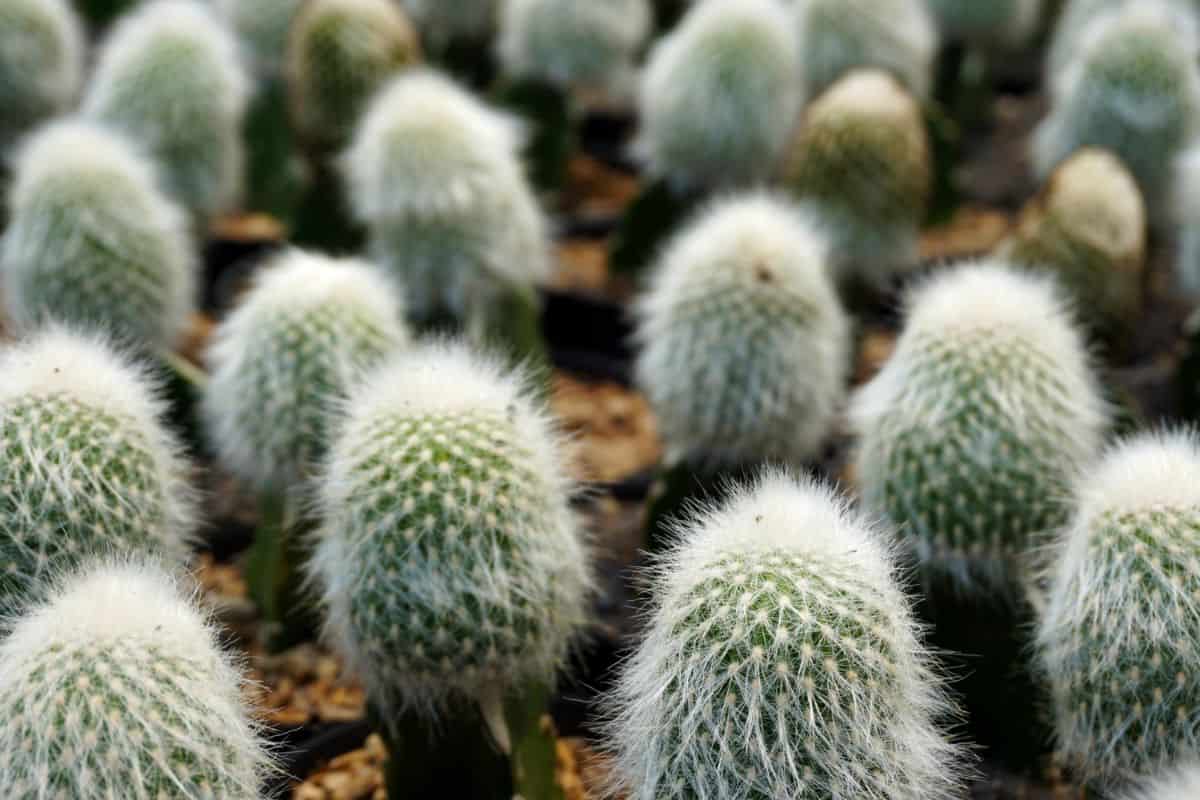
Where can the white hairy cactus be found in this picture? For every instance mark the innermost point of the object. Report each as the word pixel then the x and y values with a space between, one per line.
pixel 974 429
pixel 988 22
pixel 443 22
pixel 781 660
pixel 450 562
pixel 720 94
pixel 41 63
pixel 573 43
pixel 263 26
pixel 116 687
pixel 744 343
pixel 1182 783
pixel 93 242
pixel 1132 87
pixel 1118 637
pixel 169 77
pixel 837 36
pixel 88 466
pixel 301 336
pixel 435 175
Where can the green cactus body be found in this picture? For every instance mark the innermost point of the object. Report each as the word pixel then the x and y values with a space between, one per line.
pixel 340 54
pixel 41 53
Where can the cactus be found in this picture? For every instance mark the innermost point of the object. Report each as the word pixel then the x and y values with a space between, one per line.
pixel 92 241
pixel 88 467
pixel 744 345
pixel 990 22
pixel 1072 22
pixel 450 563
pixel 1088 226
pixel 443 22
pixel 974 429
pixel 1187 214
pixel 720 95
pixel 41 64
pixel 861 162
pixel 435 176
pixel 781 660
pixel 263 26
pixel 1117 639
pixel 341 53
pixel 1132 88
pixel 837 36
pixel 1182 783
pixel 116 686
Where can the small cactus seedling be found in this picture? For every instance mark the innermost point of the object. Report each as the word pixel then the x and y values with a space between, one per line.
pixel 465 20
pixel 1088 226
pixel 974 429
pixel 837 36
pixel 92 240
pixel 989 22
pixel 1182 783
pixel 451 565
pixel 41 63
pixel 87 466
pixel 263 26
pixel 1118 637
pixel 340 54
pixel 116 687
pixel 861 162
pixel 720 95
pixel 781 660
pixel 1133 87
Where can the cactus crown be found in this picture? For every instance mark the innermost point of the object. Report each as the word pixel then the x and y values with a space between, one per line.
pixel 442 22
pixel 41 63
pixel 573 42
pixel 264 26
pixel 720 94
pixel 436 176
pixel 837 36
pixel 88 466
pixel 781 660
pixel 93 242
pixel 1118 636
pixel 450 561
pixel 974 429
pixel 1182 783
pixel 340 54
pixel 299 339
pixel 116 687
pixel 169 77
pixel 993 21
pixel 745 346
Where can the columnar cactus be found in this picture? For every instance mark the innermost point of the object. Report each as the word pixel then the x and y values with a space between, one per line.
pixel 87 467
pixel 41 63
pixel 720 94
pixel 744 344
pixel 441 22
pixel 990 22
pixel 837 36
pixel 573 42
pixel 1133 87
pixel 1118 637
pixel 169 77
pixel 781 660
pixel 92 241
pixel 340 54
pixel 263 26
pixel 116 687
pixel 861 162
pixel 450 562
pixel 974 429
pixel 286 355
pixel 435 175
pixel 1088 226
pixel 1181 784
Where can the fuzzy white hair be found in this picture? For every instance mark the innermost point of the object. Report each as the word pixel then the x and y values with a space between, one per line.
pixel 55 81
pixel 1181 783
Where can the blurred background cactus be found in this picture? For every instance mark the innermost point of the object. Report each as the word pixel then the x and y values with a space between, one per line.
pixel 263 26
pixel 1187 214
pixel 442 23
pixel 991 22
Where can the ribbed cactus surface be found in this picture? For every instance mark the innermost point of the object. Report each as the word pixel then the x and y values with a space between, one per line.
pixel 41 62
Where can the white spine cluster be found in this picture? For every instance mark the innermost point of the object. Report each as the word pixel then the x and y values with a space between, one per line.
pixel 41 63
pixel 116 687
pixel 443 22
pixel 1117 639
pixel 170 77
pixel 1182 783
pixel 720 94
pixel 435 174
pixel 744 343
pixel 781 660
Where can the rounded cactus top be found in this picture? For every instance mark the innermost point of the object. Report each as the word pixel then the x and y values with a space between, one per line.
pixel 170 77
pixel 41 63
pixel 720 94
pixel 116 687
pixel 450 562
pixel 1181 783
pixel 442 22
pixel 993 22
pixel 93 242
pixel 744 343
pixel 573 42
pixel 263 26
pixel 1093 196
pixel 301 336
pixel 781 659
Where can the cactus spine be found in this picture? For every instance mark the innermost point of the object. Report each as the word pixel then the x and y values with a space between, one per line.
pixel 781 660
pixel 41 64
